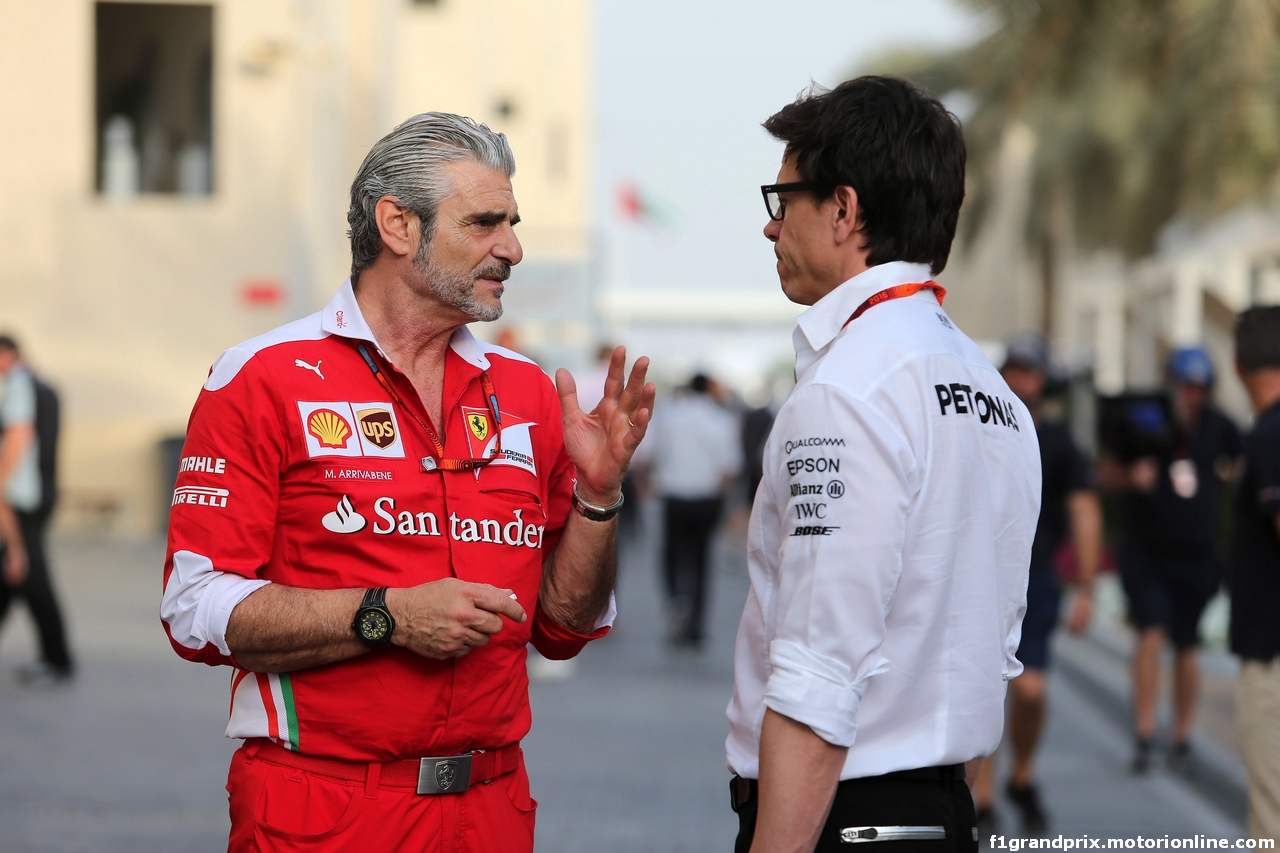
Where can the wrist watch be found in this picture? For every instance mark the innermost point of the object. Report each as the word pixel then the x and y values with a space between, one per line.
pixel 373 623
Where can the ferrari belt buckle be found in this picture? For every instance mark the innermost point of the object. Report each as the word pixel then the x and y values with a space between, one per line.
pixel 450 774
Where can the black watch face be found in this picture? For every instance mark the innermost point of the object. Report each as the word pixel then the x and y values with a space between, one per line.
pixel 374 625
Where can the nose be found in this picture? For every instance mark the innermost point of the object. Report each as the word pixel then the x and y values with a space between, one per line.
pixel 772 229
pixel 508 248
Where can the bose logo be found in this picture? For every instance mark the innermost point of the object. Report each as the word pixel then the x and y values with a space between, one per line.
pixel 814 530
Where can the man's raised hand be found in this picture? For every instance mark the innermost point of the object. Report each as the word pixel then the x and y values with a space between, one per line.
pixel 601 442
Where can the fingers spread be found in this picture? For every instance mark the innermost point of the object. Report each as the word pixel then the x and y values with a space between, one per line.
pixel 632 394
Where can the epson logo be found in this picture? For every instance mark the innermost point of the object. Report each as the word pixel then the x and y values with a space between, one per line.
pixel 811 465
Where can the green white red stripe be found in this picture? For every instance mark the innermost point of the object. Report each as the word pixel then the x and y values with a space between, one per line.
pixel 262 705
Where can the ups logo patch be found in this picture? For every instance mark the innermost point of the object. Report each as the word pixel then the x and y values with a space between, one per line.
pixel 377 426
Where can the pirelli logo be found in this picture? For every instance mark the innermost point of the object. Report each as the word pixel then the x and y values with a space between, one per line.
pixel 200 496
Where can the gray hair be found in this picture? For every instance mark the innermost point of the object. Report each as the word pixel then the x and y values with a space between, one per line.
pixel 407 165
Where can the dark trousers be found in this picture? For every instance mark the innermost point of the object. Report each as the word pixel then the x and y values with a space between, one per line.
pixel 37 589
pixel 688 527
pixel 931 797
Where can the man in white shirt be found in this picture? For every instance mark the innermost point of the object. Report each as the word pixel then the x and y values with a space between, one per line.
pixel 890 538
pixel 694 457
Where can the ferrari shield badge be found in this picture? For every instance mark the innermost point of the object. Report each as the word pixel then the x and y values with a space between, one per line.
pixel 479 425
pixel 446 774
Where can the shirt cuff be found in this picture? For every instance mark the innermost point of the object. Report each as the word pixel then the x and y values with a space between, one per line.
pixel 198 600
pixel 556 642
pixel 816 690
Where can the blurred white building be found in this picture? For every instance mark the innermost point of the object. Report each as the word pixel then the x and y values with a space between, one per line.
pixel 174 180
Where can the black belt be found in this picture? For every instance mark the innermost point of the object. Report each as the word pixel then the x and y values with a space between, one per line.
pixel 743 791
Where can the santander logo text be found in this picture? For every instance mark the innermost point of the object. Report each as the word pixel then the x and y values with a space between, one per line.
pixel 514 530
pixel 344 519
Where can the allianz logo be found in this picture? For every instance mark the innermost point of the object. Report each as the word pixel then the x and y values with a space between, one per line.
pixel 514 532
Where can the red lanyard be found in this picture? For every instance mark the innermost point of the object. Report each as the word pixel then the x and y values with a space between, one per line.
pixel 898 291
pixel 440 462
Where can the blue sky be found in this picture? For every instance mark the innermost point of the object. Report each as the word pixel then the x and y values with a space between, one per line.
pixel 681 89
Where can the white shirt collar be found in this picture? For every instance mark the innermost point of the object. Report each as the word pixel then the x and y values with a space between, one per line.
pixel 343 317
pixel 821 322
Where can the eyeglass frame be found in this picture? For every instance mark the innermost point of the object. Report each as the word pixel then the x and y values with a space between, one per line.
pixel 775 189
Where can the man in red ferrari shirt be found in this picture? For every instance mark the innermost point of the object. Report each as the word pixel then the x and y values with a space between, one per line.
pixel 376 512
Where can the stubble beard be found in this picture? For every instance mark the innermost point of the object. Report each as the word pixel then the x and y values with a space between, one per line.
pixel 458 289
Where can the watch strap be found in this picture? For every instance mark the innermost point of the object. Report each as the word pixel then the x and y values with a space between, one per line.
pixel 375 597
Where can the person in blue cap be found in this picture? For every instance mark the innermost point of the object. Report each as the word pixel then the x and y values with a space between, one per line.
pixel 1168 560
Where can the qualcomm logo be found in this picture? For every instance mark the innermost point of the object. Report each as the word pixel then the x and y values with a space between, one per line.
pixel 344 519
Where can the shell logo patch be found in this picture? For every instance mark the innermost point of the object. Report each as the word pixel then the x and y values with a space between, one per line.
pixel 350 429
pixel 329 428
pixel 378 426
pixel 478 422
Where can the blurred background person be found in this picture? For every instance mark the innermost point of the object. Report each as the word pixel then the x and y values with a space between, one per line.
pixel 1254 570
pixel 1069 512
pixel 693 458
pixel 756 424
pixel 1173 483
pixel 28 451
pixel 13 555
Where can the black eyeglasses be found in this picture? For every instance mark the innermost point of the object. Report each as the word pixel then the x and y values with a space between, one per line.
pixel 773 202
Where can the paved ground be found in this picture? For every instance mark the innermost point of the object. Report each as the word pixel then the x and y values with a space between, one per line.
pixel 626 755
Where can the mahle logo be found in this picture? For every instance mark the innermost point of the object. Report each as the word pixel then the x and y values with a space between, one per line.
pixel 378 426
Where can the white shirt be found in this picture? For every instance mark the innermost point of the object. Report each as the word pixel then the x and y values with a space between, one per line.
pixel 694 446
pixel 890 540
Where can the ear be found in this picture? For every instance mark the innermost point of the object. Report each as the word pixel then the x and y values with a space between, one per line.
pixel 845 214
pixel 397 226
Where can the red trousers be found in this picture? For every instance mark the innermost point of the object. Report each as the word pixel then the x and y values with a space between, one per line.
pixel 277 808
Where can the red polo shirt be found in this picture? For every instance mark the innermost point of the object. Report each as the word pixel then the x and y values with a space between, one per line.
pixel 299 468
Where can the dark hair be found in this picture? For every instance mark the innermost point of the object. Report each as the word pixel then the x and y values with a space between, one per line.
pixel 699 383
pixel 899 149
pixel 8 344
pixel 1258 338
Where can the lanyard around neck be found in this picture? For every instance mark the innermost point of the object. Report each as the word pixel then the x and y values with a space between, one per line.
pixel 439 461
pixel 898 291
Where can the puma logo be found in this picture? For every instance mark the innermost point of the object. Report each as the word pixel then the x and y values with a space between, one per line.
pixel 297 362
